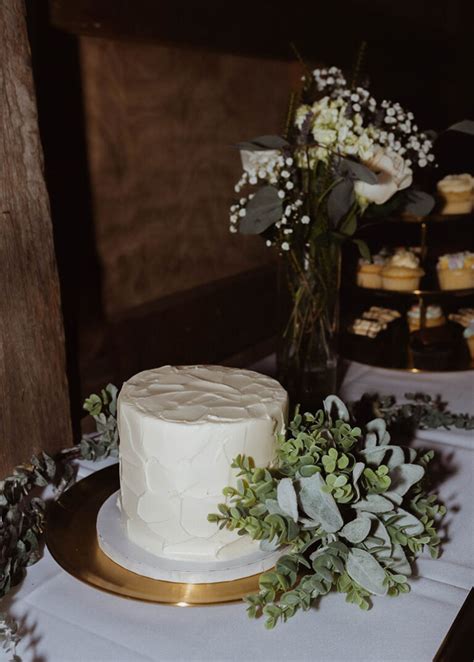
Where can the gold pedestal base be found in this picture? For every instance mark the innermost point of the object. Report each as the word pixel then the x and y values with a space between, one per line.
pixel 72 540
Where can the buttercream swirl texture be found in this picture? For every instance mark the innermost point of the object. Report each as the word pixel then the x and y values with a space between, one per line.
pixel 180 428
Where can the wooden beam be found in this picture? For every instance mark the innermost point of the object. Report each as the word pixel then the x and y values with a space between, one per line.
pixel 34 402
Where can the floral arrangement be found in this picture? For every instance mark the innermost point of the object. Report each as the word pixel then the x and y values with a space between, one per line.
pixel 344 152
pixel 348 508
pixel 344 155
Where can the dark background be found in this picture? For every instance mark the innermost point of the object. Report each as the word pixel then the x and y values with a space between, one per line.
pixel 416 52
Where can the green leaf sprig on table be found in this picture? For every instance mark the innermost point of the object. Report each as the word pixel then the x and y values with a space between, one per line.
pixel 421 411
pixel 23 507
pixel 349 510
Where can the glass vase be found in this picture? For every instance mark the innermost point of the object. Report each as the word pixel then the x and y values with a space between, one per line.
pixel 307 355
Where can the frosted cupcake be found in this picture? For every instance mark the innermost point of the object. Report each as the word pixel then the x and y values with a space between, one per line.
pixel 402 272
pixel 456 271
pixel 469 336
pixel 456 194
pixel 433 317
pixel 369 273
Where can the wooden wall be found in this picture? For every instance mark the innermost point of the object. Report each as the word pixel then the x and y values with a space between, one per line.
pixel 160 125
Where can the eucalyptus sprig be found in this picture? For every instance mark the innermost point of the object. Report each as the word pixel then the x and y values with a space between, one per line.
pixel 104 441
pixel 23 508
pixel 421 411
pixel 349 509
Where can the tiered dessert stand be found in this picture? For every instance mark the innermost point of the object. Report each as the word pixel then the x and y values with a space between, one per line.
pixel 433 236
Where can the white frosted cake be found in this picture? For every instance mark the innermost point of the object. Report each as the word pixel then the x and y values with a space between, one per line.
pixel 180 428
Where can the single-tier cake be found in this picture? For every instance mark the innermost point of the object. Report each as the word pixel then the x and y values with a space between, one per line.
pixel 180 428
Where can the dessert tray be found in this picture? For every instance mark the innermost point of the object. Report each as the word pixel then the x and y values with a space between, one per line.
pixel 71 537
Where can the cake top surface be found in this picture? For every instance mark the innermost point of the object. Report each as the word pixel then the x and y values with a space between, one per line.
pixel 203 393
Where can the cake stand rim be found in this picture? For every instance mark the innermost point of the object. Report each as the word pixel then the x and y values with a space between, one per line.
pixel 71 539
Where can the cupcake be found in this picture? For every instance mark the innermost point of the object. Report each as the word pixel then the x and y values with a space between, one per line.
pixel 456 194
pixel 456 271
pixel 369 273
pixel 433 317
pixel 469 336
pixel 402 271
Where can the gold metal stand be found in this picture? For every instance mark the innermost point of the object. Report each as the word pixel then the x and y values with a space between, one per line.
pixel 72 540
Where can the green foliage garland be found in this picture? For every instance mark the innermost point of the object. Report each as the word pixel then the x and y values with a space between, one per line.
pixel 348 508
pixel 22 512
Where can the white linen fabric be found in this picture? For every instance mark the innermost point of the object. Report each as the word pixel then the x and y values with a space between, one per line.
pixel 63 620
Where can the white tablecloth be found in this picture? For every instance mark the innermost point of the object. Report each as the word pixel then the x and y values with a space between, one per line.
pixel 64 620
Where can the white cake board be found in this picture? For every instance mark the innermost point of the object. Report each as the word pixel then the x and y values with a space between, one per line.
pixel 114 542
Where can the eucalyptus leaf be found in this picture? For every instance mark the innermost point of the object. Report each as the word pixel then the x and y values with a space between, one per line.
pixel 262 211
pixel 357 530
pixel 287 500
pixel 374 503
pixel 364 569
pixel 263 143
pixel 320 505
pixel 465 126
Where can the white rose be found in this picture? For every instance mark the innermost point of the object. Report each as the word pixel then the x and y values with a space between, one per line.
pixel 393 174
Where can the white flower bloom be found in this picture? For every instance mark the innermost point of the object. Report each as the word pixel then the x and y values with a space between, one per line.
pixel 289 185
pixel 233 229
pixel 393 174
pixel 285 246
pixel 281 194
pixel 305 220
pixel 268 242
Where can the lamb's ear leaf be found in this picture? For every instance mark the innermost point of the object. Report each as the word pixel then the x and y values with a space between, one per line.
pixel 320 505
pixel 357 530
pixel 262 143
pixel 465 126
pixel 287 499
pixel 262 211
pixel 364 569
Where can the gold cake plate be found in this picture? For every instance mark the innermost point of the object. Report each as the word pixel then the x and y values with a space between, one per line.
pixel 71 538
